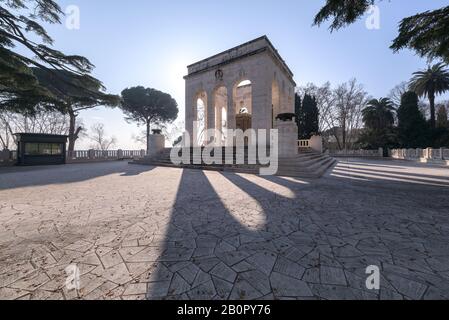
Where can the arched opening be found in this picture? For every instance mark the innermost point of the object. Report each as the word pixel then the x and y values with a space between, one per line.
pixel 201 116
pixel 275 102
pixel 243 104
pixel 221 106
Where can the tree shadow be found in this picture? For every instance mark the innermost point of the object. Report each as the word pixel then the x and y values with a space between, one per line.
pixel 239 236
pixel 201 229
pixel 20 177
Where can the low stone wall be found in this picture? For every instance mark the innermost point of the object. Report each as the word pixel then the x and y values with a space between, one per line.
pixel 428 155
pixel 356 153
pixel 7 158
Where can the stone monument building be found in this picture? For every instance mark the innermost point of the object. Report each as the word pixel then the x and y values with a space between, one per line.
pixel 246 87
pixel 241 88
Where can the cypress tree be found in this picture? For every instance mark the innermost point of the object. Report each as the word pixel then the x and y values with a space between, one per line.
pixel 412 125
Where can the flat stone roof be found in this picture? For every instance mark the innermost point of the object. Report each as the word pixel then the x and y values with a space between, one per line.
pixel 253 47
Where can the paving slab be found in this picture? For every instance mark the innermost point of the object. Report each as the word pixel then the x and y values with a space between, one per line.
pixel 138 232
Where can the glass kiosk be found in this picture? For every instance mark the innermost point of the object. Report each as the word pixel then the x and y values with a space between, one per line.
pixel 40 149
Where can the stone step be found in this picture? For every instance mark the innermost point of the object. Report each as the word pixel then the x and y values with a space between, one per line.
pixel 306 164
pixel 307 157
pixel 314 173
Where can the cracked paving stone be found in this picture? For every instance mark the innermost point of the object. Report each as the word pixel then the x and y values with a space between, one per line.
pixel 135 289
pixel 289 268
pixel 330 275
pixel 258 279
pixel 118 274
pixel 285 286
pixel 178 286
pixel 263 261
pixel 158 289
pixel 200 236
pixel 204 291
pixel 201 277
pixel 412 289
pixel 242 290
pixel 222 287
pixel 224 272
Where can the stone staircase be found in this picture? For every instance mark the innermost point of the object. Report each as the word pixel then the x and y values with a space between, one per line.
pixel 307 164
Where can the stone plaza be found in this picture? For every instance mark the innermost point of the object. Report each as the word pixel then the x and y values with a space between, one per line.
pixel 142 232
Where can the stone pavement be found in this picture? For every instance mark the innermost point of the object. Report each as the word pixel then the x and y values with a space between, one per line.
pixel 139 232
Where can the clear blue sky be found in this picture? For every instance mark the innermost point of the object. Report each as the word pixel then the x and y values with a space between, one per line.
pixel 150 43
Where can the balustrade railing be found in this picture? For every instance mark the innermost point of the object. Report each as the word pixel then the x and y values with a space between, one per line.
pixel 101 155
pixel 356 153
pixel 423 155
pixel 8 157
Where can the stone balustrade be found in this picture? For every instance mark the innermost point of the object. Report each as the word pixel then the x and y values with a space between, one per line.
pixel 436 155
pixel 91 155
pixel 303 144
pixel 8 158
pixel 356 153
pixel 314 143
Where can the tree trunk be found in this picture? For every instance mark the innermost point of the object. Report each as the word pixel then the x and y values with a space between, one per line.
pixel 432 109
pixel 73 131
pixel 148 135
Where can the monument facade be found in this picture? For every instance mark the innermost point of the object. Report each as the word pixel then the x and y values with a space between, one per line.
pixel 245 87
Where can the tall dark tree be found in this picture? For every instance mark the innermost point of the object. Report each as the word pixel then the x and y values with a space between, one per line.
pixel 378 117
pixel 430 83
pixel 148 106
pixel 412 126
pixel 379 114
pixel 298 112
pixel 442 120
pixel 426 33
pixel 20 25
pixel 73 94
pixel 308 118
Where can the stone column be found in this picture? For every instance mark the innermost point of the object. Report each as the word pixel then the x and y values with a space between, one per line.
pixel 156 144
pixel 230 112
pixel 218 121
pixel 210 113
pixel 288 138
pixel 190 116
pixel 230 115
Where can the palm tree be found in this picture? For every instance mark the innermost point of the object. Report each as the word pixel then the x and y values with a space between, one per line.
pixel 429 83
pixel 379 114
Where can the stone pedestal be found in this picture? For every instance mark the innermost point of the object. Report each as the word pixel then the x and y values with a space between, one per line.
pixel 288 137
pixel 316 143
pixel 156 144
